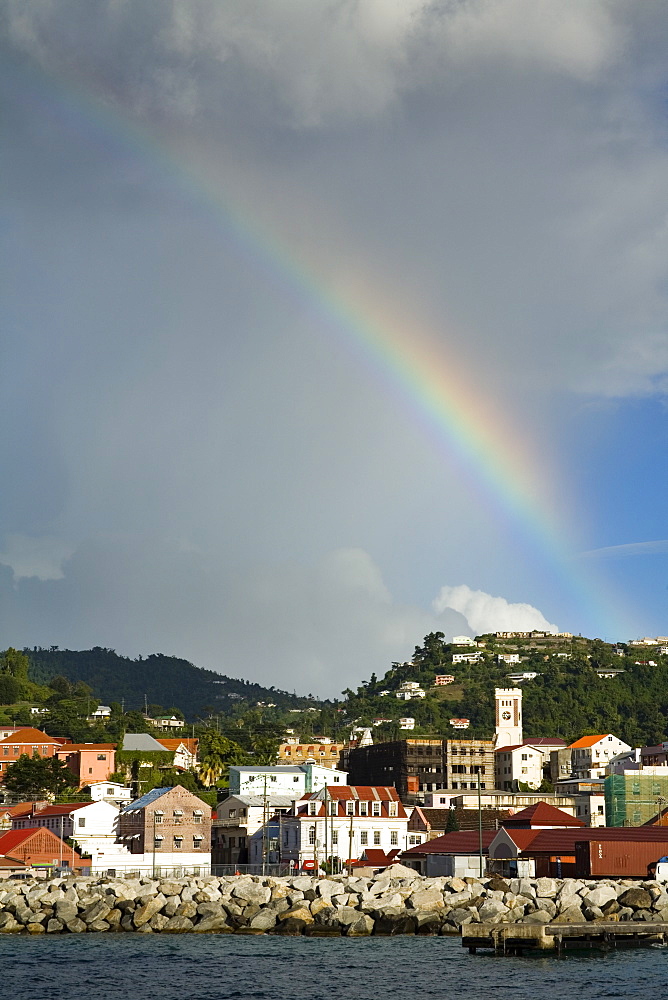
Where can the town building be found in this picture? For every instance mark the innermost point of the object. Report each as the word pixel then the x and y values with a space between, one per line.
pixel 237 818
pixel 461 854
pixel 38 847
pixel 419 765
pixel 184 750
pixel 283 779
pixel 409 690
pixel 165 721
pixel 108 791
pixel 519 765
pixel 28 741
pixel 589 799
pixel 9 813
pixel 167 829
pixel 323 752
pixel 459 723
pixel 337 825
pixel 407 722
pixel 508 707
pixel 635 797
pixel 440 680
pixel 89 761
pixel 590 755
pixel 93 826
pixel 466 658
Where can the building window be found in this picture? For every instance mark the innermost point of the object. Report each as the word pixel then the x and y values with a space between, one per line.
pixel 335 837
pixel 394 837
pixel 157 841
pixel 178 842
pixel 295 778
pixel 311 835
pixel 364 838
pixel 376 838
pixel 82 821
pixel 375 808
pixel 363 808
pixel 312 808
pixel 197 816
pixel 197 841
pixel 393 809
pixel 157 816
pixel 350 807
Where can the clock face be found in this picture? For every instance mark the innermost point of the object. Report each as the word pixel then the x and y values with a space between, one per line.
pixel 505 716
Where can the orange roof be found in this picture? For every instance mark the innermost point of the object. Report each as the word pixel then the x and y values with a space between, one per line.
pixel 366 793
pixel 588 741
pixel 63 809
pixel 15 838
pixel 29 735
pixel 21 809
pixel 541 814
pixel 189 743
pixel 68 747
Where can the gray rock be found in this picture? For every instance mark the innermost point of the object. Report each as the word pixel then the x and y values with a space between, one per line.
pixel 637 899
pixel 76 926
pixel 178 925
pixel 599 896
pixel 361 927
pixel 492 910
pixel 571 915
pixel 66 910
pixel 99 926
pixel 96 911
pixel 147 910
pixel 537 917
pixel 264 920
pixel 54 926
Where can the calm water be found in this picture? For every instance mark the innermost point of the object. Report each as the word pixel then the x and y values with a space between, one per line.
pixel 138 967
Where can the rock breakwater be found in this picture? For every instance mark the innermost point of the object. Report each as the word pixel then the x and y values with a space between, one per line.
pixel 397 901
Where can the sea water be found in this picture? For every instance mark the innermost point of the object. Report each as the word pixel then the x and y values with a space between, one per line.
pixel 227 967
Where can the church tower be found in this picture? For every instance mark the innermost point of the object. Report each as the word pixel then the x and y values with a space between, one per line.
pixel 508 717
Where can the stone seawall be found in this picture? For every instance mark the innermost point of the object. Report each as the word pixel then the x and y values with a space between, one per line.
pixel 394 902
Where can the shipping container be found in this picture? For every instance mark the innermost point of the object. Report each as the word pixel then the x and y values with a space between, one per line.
pixel 617 858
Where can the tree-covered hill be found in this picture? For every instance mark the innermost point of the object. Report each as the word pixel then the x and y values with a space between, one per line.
pixel 158 679
pixel 567 699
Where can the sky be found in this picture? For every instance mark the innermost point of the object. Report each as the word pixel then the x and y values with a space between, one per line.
pixel 329 325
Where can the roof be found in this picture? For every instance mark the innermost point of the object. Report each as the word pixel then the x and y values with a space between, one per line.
pixel 21 809
pixel 258 800
pixel 543 741
pixel 12 839
pixel 173 744
pixel 62 809
pixel 523 838
pixel 513 746
pixel 459 842
pixel 88 746
pixel 141 741
pixel 365 793
pixel 147 799
pixel 542 814
pixel 270 769
pixel 376 858
pixel 29 735
pixel 588 741
pixel 554 841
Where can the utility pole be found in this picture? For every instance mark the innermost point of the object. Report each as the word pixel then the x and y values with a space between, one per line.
pixel 334 807
pixel 264 827
pixel 479 828
pixel 326 838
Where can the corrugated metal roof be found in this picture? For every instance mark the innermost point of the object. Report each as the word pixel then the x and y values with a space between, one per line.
pixel 542 814
pixel 459 842
pixel 147 799
pixel 141 741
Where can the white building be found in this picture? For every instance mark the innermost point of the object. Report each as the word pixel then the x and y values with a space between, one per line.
pixel 407 722
pixel 517 765
pixel 284 779
pixel 341 824
pixel 237 818
pixel 463 640
pixel 589 799
pixel 591 755
pixel 508 717
pixel 466 658
pixel 93 826
pixel 507 657
pixel 109 791
pixel 410 689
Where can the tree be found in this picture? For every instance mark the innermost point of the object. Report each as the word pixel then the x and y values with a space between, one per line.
pixel 37 777
pixel 217 752
pixel 452 824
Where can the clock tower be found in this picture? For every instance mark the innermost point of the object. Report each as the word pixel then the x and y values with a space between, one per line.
pixel 508 717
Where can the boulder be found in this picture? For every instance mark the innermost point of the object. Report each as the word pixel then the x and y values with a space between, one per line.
pixel 361 927
pixel 599 896
pixel 571 915
pixel 76 926
pixel 264 920
pixel 147 910
pixel 636 898
pixel 178 925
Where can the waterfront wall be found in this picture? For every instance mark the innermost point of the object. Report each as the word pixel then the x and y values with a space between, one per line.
pixel 395 902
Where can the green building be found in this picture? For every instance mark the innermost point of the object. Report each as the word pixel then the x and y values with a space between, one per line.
pixel 634 798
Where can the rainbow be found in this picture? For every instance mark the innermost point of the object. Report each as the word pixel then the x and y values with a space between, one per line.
pixel 412 363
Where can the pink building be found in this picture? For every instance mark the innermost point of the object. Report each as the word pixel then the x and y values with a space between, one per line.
pixel 89 761
pixel 440 680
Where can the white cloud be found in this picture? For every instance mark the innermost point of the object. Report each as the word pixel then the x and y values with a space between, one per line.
pixel 42 558
pixel 490 614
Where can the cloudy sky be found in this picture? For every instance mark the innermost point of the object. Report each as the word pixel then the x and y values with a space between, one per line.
pixel 329 324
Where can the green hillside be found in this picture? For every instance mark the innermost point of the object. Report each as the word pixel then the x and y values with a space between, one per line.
pixel 567 699
pixel 158 679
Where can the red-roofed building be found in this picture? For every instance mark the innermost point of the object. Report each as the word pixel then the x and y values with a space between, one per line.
pixel 184 750
pixel 28 741
pixel 340 823
pixel 20 811
pixel 89 761
pixel 37 847
pixel 541 816
pixel 456 853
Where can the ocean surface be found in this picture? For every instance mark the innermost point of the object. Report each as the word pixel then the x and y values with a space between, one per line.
pixel 225 967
